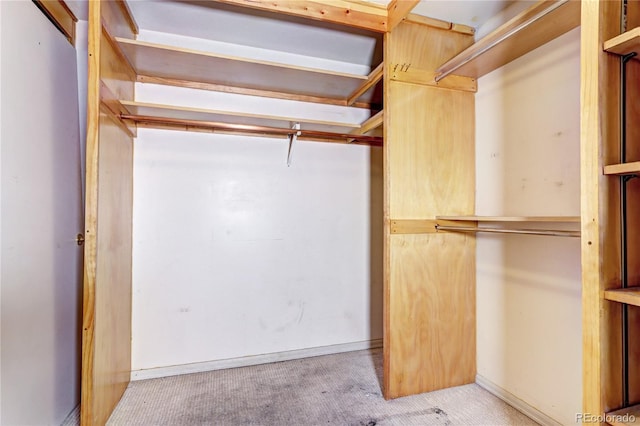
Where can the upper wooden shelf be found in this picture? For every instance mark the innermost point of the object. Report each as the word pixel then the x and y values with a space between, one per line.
pixel 199 114
pixel 555 219
pixel 173 63
pixel 630 296
pixel 616 418
pixel 170 115
pixel 624 43
pixel 622 169
pixel 537 25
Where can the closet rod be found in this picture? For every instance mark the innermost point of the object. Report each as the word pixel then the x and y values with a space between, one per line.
pixel 247 128
pixel 523 25
pixel 549 232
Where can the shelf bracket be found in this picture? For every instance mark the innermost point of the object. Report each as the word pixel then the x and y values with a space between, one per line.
pixel 292 138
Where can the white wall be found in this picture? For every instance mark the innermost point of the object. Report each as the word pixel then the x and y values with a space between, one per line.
pixel 236 254
pixel 529 287
pixel 41 215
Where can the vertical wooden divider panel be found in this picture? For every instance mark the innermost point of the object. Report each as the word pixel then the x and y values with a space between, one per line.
pixel 600 201
pixel 633 212
pixel 429 279
pixel 106 333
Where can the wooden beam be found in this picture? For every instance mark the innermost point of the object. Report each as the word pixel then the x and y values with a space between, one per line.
pixel 245 91
pixel 397 10
pixel 354 14
pixel 61 16
pixel 374 77
pixel 370 124
pixel 437 23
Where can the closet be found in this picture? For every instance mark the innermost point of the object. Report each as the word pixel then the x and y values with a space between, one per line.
pixel 421 110
pixel 117 60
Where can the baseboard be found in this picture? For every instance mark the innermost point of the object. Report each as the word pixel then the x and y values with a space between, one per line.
pixel 175 370
pixel 526 409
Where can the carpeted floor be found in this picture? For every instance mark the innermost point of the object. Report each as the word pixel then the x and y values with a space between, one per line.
pixel 340 389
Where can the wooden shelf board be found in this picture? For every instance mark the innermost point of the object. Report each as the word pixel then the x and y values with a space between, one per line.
pixel 622 169
pixel 625 43
pixel 630 296
pixel 555 219
pixel 170 62
pixel 554 24
pixel 198 114
pixel 628 412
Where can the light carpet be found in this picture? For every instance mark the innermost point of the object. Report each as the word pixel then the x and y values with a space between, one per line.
pixel 340 389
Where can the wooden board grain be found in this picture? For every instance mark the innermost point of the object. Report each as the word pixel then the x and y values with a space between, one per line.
pixel 366 15
pixel 600 141
pixel 557 219
pixel 624 43
pixel 429 170
pixel 199 114
pixel 106 330
pixel 61 16
pixel 432 302
pixel 432 151
pixel 625 417
pixel 476 62
pixel 169 62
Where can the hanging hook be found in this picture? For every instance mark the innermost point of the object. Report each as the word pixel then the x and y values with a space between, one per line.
pixel 292 138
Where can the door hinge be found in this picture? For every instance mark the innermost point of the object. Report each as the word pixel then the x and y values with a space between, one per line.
pixel 80 239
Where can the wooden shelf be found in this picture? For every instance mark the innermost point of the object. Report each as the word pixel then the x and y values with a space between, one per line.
pixel 198 114
pixel 624 43
pixel 622 169
pixel 179 64
pixel 630 296
pixel 624 413
pixel 555 219
pixel 515 38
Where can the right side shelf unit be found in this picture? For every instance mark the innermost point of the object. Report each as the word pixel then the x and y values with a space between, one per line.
pixel 626 46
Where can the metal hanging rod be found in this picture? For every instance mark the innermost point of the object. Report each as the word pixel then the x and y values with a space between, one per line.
pixel 548 232
pixel 247 128
pixel 505 36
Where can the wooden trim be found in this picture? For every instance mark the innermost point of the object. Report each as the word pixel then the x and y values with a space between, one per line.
pixel 115 109
pixel 423 226
pixel 61 16
pixel 437 23
pixel 397 11
pixel 556 219
pixel 248 128
pixel 353 14
pixel 88 393
pixel 374 77
pixel 624 43
pixel 172 62
pixel 161 111
pixel 408 74
pixel 412 226
pixel 622 169
pixel 128 15
pixel 599 206
pixel 245 91
pixel 370 124
pixel 630 296
pixel 505 45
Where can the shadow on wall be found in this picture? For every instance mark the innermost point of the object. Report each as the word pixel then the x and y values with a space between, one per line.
pixel 376 245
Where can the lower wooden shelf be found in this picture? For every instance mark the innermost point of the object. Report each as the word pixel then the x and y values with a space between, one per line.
pixel 630 296
pixel 622 169
pixel 625 416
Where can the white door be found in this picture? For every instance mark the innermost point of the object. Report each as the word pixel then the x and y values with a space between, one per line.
pixel 40 214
